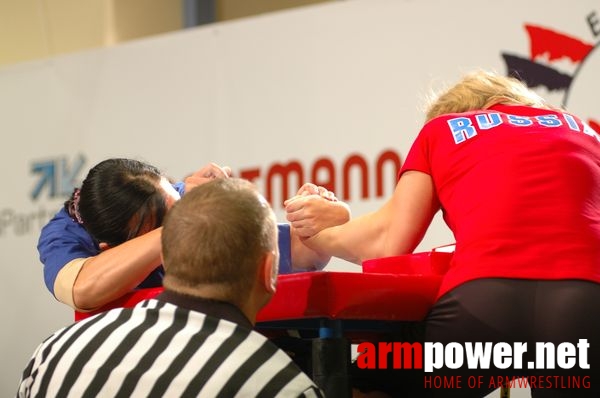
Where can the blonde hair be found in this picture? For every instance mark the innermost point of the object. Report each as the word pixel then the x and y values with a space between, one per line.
pixel 481 90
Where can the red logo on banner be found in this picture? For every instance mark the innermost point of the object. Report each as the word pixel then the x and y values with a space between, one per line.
pixel 544 67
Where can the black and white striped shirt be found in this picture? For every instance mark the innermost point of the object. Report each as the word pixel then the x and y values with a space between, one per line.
pixel 159 349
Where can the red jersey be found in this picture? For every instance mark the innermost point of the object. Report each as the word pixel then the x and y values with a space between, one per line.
pixel 520 189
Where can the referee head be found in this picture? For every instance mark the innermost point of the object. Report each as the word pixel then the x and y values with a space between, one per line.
pixel 220 242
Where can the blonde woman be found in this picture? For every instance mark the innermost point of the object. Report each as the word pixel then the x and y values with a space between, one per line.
pixel 518 182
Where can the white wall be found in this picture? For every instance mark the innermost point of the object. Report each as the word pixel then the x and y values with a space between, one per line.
pixel 325 81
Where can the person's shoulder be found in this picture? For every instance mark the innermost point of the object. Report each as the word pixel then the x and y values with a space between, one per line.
pixel 60 215
pixel 61 220
pixel 291 380
pixel 62 225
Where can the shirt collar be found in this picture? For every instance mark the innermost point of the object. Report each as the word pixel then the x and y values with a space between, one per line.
pixel 214 308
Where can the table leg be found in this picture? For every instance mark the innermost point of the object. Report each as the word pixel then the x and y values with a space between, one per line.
pixel 331 361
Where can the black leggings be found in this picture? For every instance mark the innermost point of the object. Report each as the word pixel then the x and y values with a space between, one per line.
pixel 509 310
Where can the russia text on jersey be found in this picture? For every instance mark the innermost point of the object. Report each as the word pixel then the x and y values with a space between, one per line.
pixel 464 128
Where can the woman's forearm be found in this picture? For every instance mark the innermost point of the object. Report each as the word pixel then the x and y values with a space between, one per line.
pixel 116 271
pixel 355 241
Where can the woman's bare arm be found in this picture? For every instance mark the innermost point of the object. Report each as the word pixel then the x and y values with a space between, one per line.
pixel 394 229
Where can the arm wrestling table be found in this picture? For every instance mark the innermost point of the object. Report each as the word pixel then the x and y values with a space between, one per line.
pixel 341 308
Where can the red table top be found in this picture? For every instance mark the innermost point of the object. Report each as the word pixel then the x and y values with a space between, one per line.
pixel 399 288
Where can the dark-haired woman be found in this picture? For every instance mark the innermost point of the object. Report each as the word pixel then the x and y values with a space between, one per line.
pixel 105 241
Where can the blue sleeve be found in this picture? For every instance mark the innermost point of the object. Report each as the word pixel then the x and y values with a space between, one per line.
pixel 61 241
pixel 285 249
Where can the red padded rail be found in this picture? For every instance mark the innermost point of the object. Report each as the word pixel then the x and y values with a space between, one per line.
pixel 393 288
